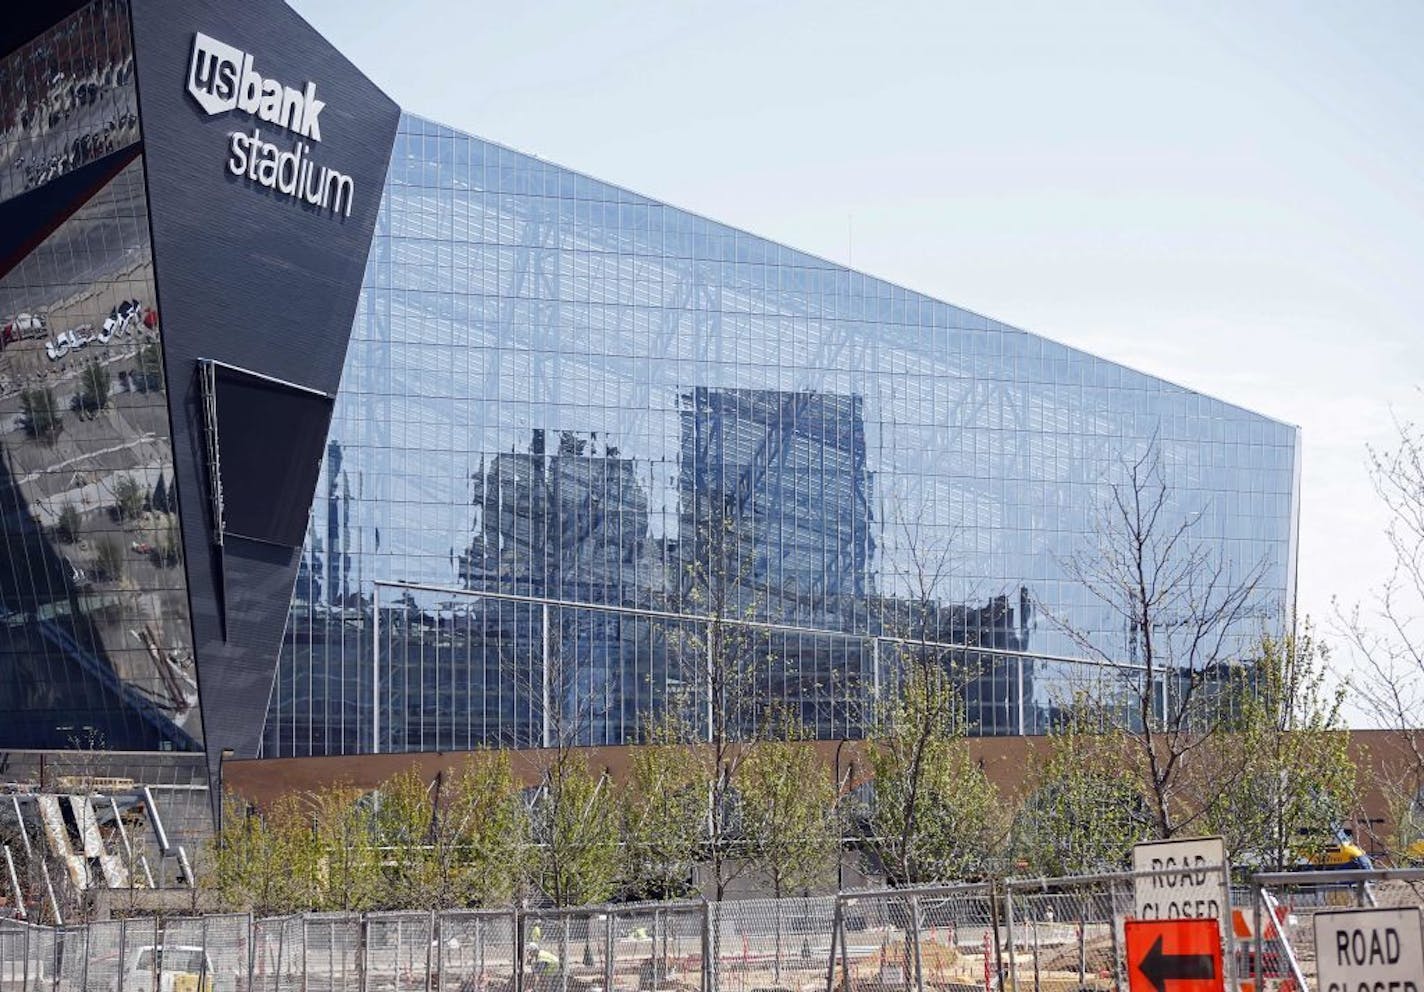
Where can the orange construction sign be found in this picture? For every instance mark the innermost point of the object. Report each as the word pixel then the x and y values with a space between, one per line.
pixel 1174 955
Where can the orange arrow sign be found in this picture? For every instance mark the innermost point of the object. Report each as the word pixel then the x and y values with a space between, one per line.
pixel 1174 955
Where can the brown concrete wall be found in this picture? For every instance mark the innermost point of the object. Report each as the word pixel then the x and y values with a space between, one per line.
pixel 1008 761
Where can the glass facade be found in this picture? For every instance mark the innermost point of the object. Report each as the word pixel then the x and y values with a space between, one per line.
pixel 67 98
pixel 95 642
pixel 574 421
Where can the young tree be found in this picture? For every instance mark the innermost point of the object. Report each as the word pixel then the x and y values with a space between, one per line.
pixel 159 499
pixel 1298 783
pixel 484 829
pixel 575 829
pixel 109 558
pixel 719 659
pixel 462 841
pixel 148 374
pixel 1184 609
pixel 69 522
pixel 1385 635
pixel 405 822
pixel 788 806
pixel 269 863
pixel 664 808
pixel 348 859
pixel 935 816
pixel 128 497
pixel 1086 807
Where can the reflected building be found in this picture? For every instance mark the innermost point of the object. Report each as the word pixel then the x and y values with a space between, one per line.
pixel 567 409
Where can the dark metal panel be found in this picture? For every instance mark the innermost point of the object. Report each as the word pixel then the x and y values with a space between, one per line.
pixel 253 278
pixel 26 21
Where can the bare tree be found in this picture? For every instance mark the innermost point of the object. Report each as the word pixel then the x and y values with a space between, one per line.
pixel 1385 634
pixel 719 658
pixel 934 815
pixel 573 815
pixel 1180 611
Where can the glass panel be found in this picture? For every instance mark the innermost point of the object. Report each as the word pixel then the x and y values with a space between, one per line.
pixel 95 642
pixel 572 419
pixel 67 98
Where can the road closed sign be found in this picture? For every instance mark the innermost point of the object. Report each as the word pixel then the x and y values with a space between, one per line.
pixel 1174 955
pixel 1370 950
pixel 1187 884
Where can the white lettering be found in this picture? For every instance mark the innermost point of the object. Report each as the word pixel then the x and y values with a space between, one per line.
pixel 222 78
pixel 289 172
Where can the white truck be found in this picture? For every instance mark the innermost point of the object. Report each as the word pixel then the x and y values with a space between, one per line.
pixel 171 968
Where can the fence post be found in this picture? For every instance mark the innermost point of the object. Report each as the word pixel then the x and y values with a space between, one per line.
pixel 1037 976
pixel 1118 965
pixel 915 925
pixel 1256 923
pixel 845 953
pixel 608 924
pixel 84 969
pixel 709 948
pixel 363 956
pixel 1229 937
pixel 432 951
pixel 281 950
pixel 518 950
pixel 835 937
pixel 123 951
pixel 58 938
pixel 1008 938
pixel 251 949
pixel 25 967
pixel 203 977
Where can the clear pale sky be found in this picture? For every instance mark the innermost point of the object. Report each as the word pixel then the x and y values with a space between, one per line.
pixel 1227 195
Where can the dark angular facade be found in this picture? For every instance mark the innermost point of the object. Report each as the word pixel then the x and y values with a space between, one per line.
pixel 175 328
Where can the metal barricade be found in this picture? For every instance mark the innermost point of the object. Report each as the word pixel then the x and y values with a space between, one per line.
pixel 912 938
pixel 652 945
pixel 1068 933
pixel 475 951
pixel 1279 945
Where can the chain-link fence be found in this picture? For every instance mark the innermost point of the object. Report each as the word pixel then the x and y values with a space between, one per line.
pixel 1069 933
pixel 942 937
pixel 1044 935
pixel 1280 939
pixel 771 943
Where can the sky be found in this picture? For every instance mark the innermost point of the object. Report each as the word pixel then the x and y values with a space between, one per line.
pixel 1226 195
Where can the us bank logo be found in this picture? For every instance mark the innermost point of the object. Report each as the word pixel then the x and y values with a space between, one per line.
pixel 223 79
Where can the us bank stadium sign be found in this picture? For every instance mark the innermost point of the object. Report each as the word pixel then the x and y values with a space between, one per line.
pixel 223 79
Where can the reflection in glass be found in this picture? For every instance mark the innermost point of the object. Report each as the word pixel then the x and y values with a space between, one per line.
pixel 566 409
pixel 67 98
pixel 95 643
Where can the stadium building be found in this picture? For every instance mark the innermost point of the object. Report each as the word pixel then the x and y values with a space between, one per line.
pixel 326 429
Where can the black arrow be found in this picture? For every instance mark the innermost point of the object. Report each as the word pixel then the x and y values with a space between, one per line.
pixel 1159 968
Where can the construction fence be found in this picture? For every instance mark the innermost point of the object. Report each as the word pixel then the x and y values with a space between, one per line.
pixel 1044 935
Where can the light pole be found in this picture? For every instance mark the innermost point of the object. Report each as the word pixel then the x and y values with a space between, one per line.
pixel 223 755
pixel 840 847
